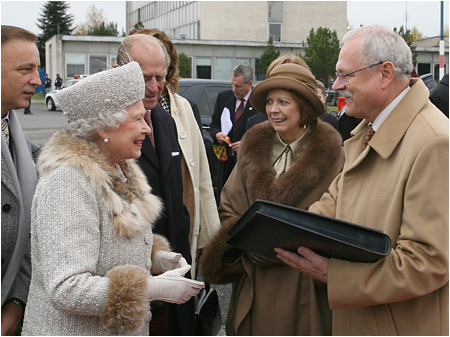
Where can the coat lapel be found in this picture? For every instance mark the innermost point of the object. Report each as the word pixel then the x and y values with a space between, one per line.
pixel 162 134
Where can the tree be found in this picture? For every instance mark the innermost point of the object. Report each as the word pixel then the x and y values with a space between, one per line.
pixel 54 20
pixel 322 52
pixel 408 37
pixel 184 66
pixel 103 29
pixel 415 34
pixel 138 25
pixel 267 57
pixel 96 24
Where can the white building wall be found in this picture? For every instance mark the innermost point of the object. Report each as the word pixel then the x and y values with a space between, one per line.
pixel 301 16
pixel 233 20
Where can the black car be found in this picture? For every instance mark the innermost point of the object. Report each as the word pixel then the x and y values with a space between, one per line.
pixel 204 93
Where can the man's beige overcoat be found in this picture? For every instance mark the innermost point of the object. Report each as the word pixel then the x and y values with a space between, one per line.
pixel 399 185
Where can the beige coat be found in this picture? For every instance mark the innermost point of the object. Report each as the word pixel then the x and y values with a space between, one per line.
pixel 198 193
pixel 273 300
pixel 399 185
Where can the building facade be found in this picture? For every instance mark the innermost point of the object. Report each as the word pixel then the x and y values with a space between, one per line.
pixel 218 35
pixel 428 56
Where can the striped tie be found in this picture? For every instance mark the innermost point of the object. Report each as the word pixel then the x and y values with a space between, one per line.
pixel 5 130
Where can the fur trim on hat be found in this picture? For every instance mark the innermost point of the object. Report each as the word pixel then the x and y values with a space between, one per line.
pixel 127 304
pixel 131 206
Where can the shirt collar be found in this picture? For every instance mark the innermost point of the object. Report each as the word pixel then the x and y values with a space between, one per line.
pixel 386 112
pixel 297 147
pixel 6 118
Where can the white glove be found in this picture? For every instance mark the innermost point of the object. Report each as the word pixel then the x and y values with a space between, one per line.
pixel 172 287
pixel 164 261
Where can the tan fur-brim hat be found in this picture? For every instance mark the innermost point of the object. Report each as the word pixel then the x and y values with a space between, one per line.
pixel 288 76
pixel 103 93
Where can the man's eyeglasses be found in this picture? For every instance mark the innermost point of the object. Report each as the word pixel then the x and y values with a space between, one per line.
pixel 343 76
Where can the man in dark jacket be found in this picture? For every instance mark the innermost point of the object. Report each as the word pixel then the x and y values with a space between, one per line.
pixel 58 82
pixel 161 163
pixel 234 106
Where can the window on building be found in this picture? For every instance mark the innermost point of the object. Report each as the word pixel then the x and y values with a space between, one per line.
pixel 113 58
pixel 436 71
pixel 423 68
pixel 75 64
pixel 243 61
pixel 275 31
pixel 204 68
pixel 223 68
pixel 97 63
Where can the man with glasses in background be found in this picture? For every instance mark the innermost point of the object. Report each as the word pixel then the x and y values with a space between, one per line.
pixel 395 179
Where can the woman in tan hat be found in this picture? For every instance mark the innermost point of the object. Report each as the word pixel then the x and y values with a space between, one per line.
pixel 290 159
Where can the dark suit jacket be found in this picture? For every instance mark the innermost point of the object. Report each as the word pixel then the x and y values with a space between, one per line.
pixel 162 166
pixel 226 99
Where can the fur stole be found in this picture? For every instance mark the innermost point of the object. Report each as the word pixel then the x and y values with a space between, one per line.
pixel 130 205
pixel 321 153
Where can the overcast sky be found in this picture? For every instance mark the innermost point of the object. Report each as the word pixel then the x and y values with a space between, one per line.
pixel 425 15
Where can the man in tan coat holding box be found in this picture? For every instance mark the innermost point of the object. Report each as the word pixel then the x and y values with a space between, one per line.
pixel 396 182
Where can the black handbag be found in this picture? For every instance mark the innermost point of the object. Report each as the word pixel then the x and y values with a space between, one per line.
pixel 207 312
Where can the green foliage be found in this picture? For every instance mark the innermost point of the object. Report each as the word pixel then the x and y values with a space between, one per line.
pixel 54 20
pixel 269 55
pixel 184 66
pixel 103 29
pixel 138 25
pixel 409 38
pixel 322 52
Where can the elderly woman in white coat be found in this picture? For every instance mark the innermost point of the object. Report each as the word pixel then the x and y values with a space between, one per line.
pixel 93 251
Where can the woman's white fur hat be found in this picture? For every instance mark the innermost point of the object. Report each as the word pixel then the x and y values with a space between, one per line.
pixel 103 93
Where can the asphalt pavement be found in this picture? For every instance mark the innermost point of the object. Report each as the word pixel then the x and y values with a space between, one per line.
pixel 42 123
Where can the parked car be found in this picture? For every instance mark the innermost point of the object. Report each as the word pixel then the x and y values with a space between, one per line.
pixel 204 93
pixel 51 100
pixel 332 97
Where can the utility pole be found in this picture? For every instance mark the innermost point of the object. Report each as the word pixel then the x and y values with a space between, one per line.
pixel 406 17
pixel 441 45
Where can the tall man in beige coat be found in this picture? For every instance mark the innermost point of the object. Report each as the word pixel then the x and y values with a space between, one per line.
pixel 397 184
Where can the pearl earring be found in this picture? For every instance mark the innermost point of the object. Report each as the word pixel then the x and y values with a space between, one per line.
pixel 106 140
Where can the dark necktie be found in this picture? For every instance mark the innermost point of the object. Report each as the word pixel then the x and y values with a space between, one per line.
pixel 239 111
pixel 148 120
pixel 369 136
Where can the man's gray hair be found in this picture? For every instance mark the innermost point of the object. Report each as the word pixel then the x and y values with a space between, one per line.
pixel 243 70
pixel 123 56
pixel 379 44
